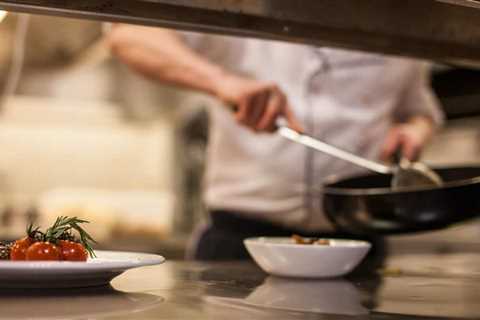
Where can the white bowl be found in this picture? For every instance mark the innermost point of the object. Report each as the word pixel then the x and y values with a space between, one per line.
pixel 282 257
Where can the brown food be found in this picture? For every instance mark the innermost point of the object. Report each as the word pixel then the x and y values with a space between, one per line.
pixel 5 249
pixel 322 242
pixel 301 240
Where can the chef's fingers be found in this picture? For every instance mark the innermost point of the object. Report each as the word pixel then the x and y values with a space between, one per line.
pixel 390 145
pixel 258 108
pixel 411 148
pixel 251 108
pixel 292 120
pixel 275 105
pixel 241 108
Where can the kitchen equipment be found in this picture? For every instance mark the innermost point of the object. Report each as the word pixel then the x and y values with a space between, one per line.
pixel 367 205
pixel 405 174
pixel 410 174
pixel 95 272
pixel 283 257
pixel 451 33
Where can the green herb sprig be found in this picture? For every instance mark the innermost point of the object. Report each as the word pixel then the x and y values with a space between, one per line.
pixel 63 229
pixel 35 233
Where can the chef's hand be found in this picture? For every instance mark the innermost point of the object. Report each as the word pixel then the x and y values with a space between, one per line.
pixel 411 137
pixel 257 104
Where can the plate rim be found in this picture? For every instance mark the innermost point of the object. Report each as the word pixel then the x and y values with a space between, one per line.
pixel 95 264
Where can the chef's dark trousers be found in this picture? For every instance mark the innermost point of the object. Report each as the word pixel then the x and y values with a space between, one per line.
pixel 223 239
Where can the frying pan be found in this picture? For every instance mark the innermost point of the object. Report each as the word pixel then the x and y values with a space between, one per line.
pixel 366 205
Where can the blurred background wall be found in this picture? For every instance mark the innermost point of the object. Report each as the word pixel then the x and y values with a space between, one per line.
pixel 82 135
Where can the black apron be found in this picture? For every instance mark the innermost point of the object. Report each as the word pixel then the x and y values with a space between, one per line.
pixel 223 239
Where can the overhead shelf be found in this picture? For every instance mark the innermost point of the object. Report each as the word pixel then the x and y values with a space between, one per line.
pixel 441 30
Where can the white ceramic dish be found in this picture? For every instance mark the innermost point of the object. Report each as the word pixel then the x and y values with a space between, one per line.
pixel 282 257
pixel 62 274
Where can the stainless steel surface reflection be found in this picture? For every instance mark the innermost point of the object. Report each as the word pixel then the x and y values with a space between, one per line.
pixel 337 296
pixel 403 286
pixel 92 303
pixel 419 296
pixel 334 297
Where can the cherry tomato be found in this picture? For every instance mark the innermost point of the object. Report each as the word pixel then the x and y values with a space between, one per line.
pixel 72 251
pixel 19 249
pixel 43 251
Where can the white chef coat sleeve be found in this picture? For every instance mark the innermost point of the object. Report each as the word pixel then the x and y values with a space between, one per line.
pixel 418 99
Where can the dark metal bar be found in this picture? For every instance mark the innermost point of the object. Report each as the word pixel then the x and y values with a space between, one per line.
pixel 442 30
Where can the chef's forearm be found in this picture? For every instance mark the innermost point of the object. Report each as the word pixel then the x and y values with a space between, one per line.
pixel 162 56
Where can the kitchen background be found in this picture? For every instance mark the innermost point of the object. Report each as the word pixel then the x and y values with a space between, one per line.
pixel 82 135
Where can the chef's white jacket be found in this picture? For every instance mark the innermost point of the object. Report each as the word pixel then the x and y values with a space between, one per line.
pixel 345 98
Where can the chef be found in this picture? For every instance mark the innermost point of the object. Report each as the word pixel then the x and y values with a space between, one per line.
pixel 258 183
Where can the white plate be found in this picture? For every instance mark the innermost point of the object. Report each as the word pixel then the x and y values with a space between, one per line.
pixel 282 257
pixel 62 274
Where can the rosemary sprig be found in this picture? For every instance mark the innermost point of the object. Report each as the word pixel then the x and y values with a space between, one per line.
pixel 34 233
pixel 62 230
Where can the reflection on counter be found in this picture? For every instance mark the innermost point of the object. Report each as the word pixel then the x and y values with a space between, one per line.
pixel 420 296
pixel 211 291
pixel 73 303
pixel 337 296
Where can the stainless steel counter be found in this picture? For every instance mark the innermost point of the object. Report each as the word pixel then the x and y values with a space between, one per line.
pixel 405 287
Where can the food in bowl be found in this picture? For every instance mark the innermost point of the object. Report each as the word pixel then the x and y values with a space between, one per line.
pixel 65 240
pixel 281 256
pixel 302 240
